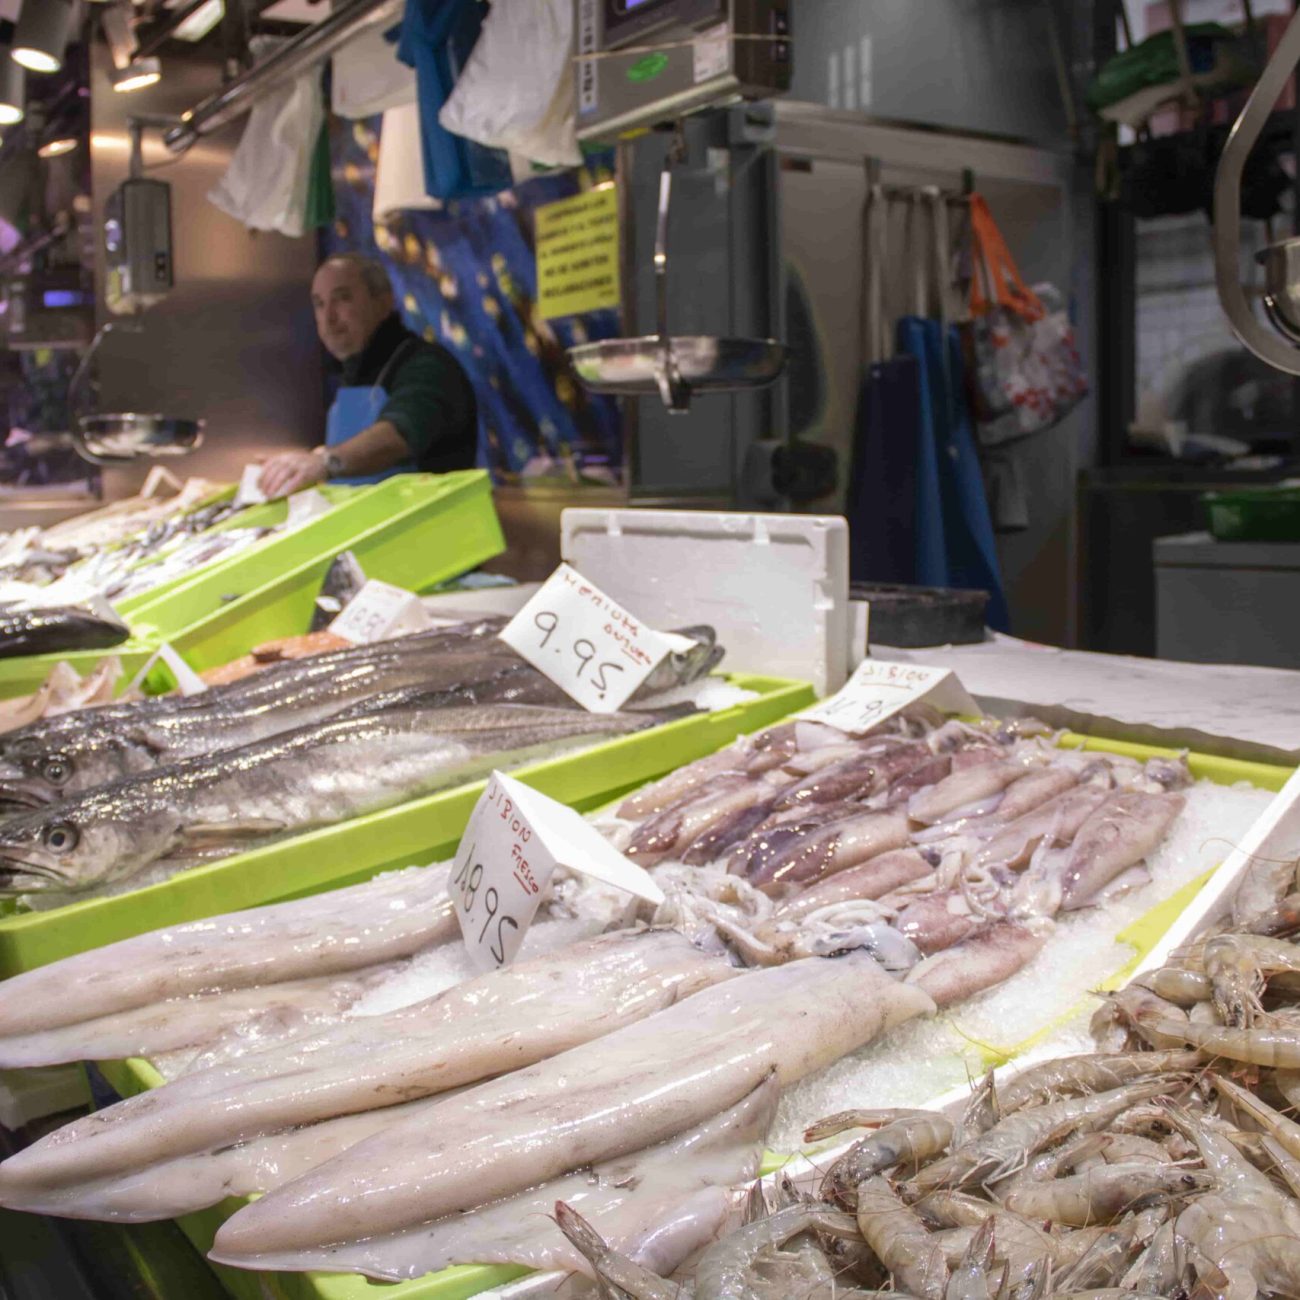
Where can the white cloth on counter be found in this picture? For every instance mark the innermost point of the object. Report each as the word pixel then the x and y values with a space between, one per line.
pixel 265 185
pixel 495 105
pixel 399 170
pixel 368 77
pixel 1237 710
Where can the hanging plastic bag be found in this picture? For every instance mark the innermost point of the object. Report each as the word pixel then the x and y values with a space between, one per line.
pixel 495 106
pixel 1025 369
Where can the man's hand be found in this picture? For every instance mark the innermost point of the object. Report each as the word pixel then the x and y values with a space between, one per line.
pixel 288 472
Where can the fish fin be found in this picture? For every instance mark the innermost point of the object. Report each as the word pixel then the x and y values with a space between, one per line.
pixel 245 828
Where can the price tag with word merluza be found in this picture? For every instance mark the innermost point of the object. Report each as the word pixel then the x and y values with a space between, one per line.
pixel 878 689
pixel 515 839
pixel 586 643
pixel 379 611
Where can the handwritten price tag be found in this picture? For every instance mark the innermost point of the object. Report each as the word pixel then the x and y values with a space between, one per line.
pixel 378 611
pixel 588 645
pixel 877 690
pixel 514 841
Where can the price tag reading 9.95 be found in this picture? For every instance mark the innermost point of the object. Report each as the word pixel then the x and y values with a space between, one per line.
pixel 585 642
pixel 547 621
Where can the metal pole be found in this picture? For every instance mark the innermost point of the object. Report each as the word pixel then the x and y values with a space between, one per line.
pixel 174 18
pixel 289 61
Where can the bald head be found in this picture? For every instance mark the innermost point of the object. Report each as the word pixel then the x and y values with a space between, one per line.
pixel 350 296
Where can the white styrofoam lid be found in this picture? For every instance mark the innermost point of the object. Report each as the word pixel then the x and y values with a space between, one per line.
pixel 774 587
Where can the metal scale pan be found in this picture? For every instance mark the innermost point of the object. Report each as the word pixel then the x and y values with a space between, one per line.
pixel 675 367
pixel 121 437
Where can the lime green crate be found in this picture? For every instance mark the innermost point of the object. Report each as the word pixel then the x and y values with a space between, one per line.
pixel 462 1281
pixel 424 830
pixel 413 530
pixel 1262 514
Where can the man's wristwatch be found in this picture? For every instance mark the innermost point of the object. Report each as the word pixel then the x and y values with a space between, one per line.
pixel 334 467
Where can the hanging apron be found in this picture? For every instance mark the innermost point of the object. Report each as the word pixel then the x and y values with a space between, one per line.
pixel 356 407
pixel 881 498
pixel 955 546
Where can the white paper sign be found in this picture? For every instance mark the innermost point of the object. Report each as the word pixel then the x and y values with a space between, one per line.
pixel 249 492
pixel 588 645
pixel 305 506
pixel 711 52
pixel 379 611
pixel 515 839
pixel 877 690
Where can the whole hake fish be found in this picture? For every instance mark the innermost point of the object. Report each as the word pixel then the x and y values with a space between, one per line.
pixel 68 755
pixel 208 807
pixel 436 670
pixel 628 1090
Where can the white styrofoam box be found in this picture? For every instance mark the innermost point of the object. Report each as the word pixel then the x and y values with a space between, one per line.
pixel 1274 836
pixel 774 587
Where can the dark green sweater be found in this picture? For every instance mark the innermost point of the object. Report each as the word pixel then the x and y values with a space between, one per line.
pixel 430 399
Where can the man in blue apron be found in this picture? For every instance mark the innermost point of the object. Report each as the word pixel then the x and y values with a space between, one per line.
pixel 403 405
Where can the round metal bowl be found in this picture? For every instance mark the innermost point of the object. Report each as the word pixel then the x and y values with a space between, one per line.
pixel 630 367
pixel 122 437
pixel 1281 263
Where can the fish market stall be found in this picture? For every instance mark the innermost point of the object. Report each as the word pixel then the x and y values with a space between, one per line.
pixel 835 843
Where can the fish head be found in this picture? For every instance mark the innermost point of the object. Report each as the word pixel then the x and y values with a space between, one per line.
pixel 38 771
pixel 75 844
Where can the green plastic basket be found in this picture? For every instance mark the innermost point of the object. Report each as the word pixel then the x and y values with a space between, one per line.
pixel 1266 514
pixel 413 530
pixel 462 1281
pixel 424 830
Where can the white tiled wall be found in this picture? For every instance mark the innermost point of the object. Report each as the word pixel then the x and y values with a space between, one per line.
pixel 1179 318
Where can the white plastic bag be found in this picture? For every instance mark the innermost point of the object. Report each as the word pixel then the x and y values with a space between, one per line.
pixel 265 185
pixel 369 78
pixel 497 105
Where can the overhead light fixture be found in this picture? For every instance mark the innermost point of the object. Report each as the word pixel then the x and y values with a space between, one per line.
pixel 201 21
pixel 13 90
pixel 137 74
pixel 59 145
pixel 41 36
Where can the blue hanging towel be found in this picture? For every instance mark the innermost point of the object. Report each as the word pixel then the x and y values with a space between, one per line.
pixel 881 501
pixel 436 39
pixel 955 546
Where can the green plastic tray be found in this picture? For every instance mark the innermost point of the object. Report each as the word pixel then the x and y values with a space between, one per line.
pixel 413 530
pixel 462 1281
pixel 424 830
pixel 1264 514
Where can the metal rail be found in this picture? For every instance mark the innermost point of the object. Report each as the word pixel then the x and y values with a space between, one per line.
pixel 292 59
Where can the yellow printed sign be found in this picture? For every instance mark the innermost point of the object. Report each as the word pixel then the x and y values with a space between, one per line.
pixel 577 254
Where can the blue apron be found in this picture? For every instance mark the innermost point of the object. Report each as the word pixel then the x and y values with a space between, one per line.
pixel 355 408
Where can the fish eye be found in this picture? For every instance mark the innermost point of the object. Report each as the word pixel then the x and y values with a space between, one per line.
pixel 56 769
pixel 60 838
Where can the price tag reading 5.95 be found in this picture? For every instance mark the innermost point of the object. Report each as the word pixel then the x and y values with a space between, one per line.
pixel 877 690
pixel 586 643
